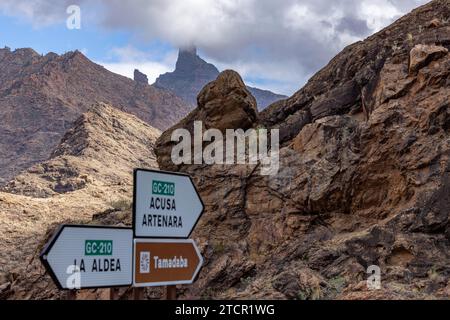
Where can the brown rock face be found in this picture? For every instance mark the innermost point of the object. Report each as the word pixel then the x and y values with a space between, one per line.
pixel 363 179
pixel 228 96
pixel 41 97
pixel 422 55
pixel 223 104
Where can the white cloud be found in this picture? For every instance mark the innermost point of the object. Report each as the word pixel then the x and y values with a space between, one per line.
pixel 151 69
pixel 283 41
pixel 378 14
pixel 39 12
pixel 123 61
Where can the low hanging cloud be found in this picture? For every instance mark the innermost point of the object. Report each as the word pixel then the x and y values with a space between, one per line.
pixel 283 42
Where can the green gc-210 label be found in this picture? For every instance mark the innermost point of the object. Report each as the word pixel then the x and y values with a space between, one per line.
pixel 98 248
pixel 163 188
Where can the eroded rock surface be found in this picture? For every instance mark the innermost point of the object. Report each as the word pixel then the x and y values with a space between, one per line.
pixel 226 95
pixel 363 179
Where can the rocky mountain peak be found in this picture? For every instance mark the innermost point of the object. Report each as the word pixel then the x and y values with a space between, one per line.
pixel 192 73
pixel 26 52
pixel 4 51
pixel 140 77
pixel 191 50
pixel 190 64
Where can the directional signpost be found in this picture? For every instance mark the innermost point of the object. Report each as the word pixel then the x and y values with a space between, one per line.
pixel 79 257
pixel 166 205
pixel 165 262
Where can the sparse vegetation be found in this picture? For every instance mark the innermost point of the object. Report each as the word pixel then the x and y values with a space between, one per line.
pixel 396 47
pixel 410 38
pixel 310 294
pixel 218 247
pixel 246 281
pixel 207 294
pixel 433 274
pixel 337 284
pixel 121 204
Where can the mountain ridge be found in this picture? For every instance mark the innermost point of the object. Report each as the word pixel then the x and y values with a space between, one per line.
pixel 41 96
pixel 192 73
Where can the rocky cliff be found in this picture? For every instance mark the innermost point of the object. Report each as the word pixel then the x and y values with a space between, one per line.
pixel 363 176
pixel 363 180
pixel 41 97
pixel 140 77
pixel 88 176
pixel 192 73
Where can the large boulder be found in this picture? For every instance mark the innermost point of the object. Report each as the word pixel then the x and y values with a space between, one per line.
pixel 223 104
pixel 226 103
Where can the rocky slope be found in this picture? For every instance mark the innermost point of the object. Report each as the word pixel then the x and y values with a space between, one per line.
pixel 41 97
pixel 363 181
pixel 192 73
pixel 363 176
pixel 88 175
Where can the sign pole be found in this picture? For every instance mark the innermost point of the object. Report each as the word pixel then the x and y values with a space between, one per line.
pixel 71 295
pixel 138 293
pixel 114 294
pixel 171 292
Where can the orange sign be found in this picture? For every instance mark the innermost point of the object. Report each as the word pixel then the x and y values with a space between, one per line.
pixel 165 262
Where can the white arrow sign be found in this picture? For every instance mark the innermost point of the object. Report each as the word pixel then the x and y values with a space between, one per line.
pixel 80 257
pixel 166 204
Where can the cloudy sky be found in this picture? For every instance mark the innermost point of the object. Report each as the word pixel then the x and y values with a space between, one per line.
pixel 273 44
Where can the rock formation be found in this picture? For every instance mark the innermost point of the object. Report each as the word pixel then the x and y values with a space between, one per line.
pixel 140 77
pixel 227 95
pixel 192 73
pixel 421 56
pixel 41 97
pixel 363 181
pixel 363 178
